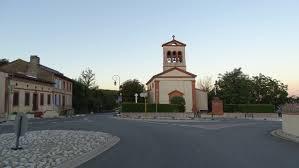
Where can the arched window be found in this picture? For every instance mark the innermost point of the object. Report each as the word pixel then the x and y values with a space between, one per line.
pixel 174 56
pixel 168 56
pixel 180 57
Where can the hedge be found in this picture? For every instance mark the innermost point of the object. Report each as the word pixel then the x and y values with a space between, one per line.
pixel 249 108
pixel 139 107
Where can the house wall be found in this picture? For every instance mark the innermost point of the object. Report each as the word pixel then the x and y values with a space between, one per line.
pixel 180 84
pixel 201 100
pixel 2 93
pixel 62 88
pixel 25 86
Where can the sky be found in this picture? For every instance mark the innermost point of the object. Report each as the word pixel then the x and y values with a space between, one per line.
pixel 124 37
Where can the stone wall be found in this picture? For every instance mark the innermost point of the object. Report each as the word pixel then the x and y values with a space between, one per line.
pixel 290 123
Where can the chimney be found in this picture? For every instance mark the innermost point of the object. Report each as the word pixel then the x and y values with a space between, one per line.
pixel 33 66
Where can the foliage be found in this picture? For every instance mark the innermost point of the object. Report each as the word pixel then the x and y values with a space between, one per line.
pixel 139 107
pixel 293 99
pixel 235 87
pixel 249 108
pixel 180 101
pixel 268 90
pixel 89 98
pixel 4 61
pixel 129 88
pixel 87 78
pixel 205 84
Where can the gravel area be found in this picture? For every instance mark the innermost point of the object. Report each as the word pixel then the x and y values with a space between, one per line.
pixel 53 148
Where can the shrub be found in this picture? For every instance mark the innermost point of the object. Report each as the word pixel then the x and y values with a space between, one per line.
pixel 139 107
pixel 249 108
pixel 179 100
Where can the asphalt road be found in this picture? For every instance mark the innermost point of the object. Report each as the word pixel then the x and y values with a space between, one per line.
pixel 164 144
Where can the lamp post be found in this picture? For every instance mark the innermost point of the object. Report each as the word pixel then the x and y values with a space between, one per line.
pixel 215 88
pixel 116 78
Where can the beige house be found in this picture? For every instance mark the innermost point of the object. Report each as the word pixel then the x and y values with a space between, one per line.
pixel 32 87
pixel 175 80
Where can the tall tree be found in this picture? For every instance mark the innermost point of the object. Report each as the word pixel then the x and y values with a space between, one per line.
pixel 268 90
pixel 205 84
pixel 87 78
pixel 234 87
pixel 129 88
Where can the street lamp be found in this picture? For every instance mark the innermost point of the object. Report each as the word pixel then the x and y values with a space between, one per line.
pixel 116 78
pixel 215 88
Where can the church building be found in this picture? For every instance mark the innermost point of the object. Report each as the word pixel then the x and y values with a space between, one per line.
pixel 175 80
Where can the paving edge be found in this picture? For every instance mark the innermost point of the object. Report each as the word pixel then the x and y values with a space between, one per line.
pixel 77 161
pixel 280 134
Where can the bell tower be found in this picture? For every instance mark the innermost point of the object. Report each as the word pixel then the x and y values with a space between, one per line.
pixel 174 54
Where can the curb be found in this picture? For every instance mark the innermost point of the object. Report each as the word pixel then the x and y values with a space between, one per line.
pixel 85 157
pixel 280 134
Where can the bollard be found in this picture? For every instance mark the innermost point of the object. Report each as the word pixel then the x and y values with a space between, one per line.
pixel 21 124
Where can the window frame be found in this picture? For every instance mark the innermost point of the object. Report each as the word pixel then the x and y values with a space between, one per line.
pixel 27 99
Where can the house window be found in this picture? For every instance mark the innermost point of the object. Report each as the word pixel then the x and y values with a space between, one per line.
pixel 15 99
pixel 59 100
pixel 55 99
pixel 27 99
pixel 168 56
pixel 174 56
pixel 64 85
pixel 63 100
pixel 49 99
pixel 180 57
pixel 41 99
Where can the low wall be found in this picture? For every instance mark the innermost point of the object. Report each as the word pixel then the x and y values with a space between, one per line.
pixel 250 115
pixel 189 115
pixel 170 115
pixel 290 123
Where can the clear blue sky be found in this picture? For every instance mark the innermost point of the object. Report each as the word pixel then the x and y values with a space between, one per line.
pixel 125 37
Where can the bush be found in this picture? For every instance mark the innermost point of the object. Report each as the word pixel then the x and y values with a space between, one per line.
pixel 139 107
pixel 249 108
pixel 179 101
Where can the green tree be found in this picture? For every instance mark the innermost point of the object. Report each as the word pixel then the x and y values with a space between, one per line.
pixel 89 98
pixel 268 90
pixel 234 87
pixel 180 101
pixel 129 88
pixel 80 101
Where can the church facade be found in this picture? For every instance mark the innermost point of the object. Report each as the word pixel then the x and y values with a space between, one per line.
pixel 175 80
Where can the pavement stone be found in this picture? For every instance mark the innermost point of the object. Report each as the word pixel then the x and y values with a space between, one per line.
pixel 53 148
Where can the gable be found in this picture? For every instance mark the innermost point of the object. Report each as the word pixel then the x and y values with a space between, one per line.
pixel 173 43
pixel 175 73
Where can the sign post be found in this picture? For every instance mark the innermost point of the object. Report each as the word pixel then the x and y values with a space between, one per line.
pixel 136 97
pixel 144 94
pixel 21 125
